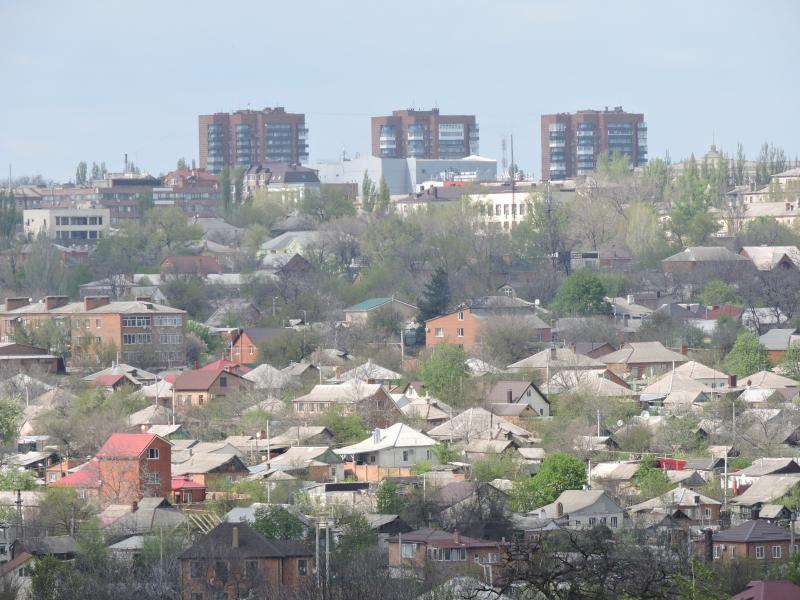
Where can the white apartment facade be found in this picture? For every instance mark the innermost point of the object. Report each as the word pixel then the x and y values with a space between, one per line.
pixel 67 225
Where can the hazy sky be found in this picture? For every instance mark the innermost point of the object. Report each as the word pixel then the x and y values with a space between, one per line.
pixel 92 80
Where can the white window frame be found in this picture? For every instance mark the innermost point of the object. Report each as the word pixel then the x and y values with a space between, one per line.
pixel 776 551
pixel 760 552
pixel 152 454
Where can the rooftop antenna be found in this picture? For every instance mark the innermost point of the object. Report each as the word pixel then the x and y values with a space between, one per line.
pixel 513 172
pixel 504 159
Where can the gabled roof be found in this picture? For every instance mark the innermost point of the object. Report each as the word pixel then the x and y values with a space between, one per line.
pixel 127 445
pixel 767 488
pixel 86 476
pixel 562 358
pixel 477 423
pixel 777 339
pixel 593 380
pixel 373 303
pixel 499 392
pixel 368 370
pixel 398 435
pixel 770 466
pixel 697 370
pixel 673 381
pixel 768 379
pixel 765 258
pixel 347 392
pixel 206 463
pixel 191 264
pixel 199 379
pixel 680 496
pixel 643 352
pixel 155 414
pixel 218 544
pixel 573 501
pixel 753 531
pixel 705 254
pixel 769 590
pixel 443 539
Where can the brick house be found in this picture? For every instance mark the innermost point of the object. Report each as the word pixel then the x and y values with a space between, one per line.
pixel 450 551
pixel 22 358
pixel 754 540
pixel 199 386
pixel 143 333
pixel 128 467
pixel 698 509
pixel 214 470
pixel 462 326
pixel 245 342
pixel 235 561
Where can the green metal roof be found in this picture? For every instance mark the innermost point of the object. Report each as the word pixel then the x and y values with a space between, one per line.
pixel 368 304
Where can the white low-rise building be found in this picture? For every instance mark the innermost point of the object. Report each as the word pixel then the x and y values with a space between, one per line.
pixel 68 225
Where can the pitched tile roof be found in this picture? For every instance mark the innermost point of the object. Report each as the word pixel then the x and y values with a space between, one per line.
pixel 198 379
pixel 643 352
pixel 444 539
pixel 398 435
pixel 769 590
pixel 373 303
pixel 191 264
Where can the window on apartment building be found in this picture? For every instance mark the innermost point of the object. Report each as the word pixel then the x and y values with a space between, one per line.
pixel 223 381
pixel 613 522
pixel 97 339
pixel 98 323
pixel 716 551
pixel 759 552
pixel 460 332
pixel 461 315
pixel 87 323
pixel 152 453
pixel 776 552
pixel 407 550
pixel 439 332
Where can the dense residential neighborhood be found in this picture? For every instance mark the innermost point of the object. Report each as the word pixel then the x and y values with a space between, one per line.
pixel 437 366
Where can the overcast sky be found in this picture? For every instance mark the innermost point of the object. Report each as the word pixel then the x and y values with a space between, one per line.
pixel 92 80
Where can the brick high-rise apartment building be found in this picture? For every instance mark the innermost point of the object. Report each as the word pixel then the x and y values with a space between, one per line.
pixel 142 333
pixel 571 142
pixel 424 134
pixel 249 137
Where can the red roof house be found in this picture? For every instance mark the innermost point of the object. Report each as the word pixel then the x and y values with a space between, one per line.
pixel 769 590
pixel 228 365
pixel 186 491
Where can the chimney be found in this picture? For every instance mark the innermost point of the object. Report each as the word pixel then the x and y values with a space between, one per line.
pixel 456 537
pixel 15 303
pixel 506 258
pixel 731 381
pixel 91 302
pixel 509 397
pixel 51 302
pixel 574 348
pixel 709 549
pixel 631 299
pixel 338 372
pixel 559 509
pixel 626 319
pixel 552 353
pixel 235 540
pixel 734 487
pixel 684 349
pixel 134 506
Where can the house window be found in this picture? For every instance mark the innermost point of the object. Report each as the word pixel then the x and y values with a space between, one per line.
pixel 372 458
pixel 494 557
pixel 154 478
pixel 759 552
pixel 251 350
pixel 732 551
pixel 407 550
pixel 405 455
pixel 52 476
pixel 237 350
pixel 301 407
pixel 602 520
pixel 776 552
pixel 461 315
pixel 302 566
pixel 439 332
pixel 592 521
pixel 613 522
pixel 577 523
pixel 251 568
pixel 223 382
pixel 221 570
pixel 196 569
pixel 716 551
pixel 152 453
pixel 460 332
pixel 200 399
pixel 707 513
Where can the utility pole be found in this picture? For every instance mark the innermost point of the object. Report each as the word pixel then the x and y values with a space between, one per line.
pixel 327 555
pixel 20 522
pixel 316 549
pixel 598 422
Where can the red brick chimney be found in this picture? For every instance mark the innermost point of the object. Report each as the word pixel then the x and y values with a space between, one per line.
pixel 15 303
pixel 684 349
pixel 456 537
pixel 559 509
pixel 507 258
pixel 91 302
pixel 732 381
pixel 51 302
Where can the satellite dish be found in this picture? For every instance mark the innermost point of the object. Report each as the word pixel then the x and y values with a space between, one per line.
pixel 645 415
pixel 619 423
